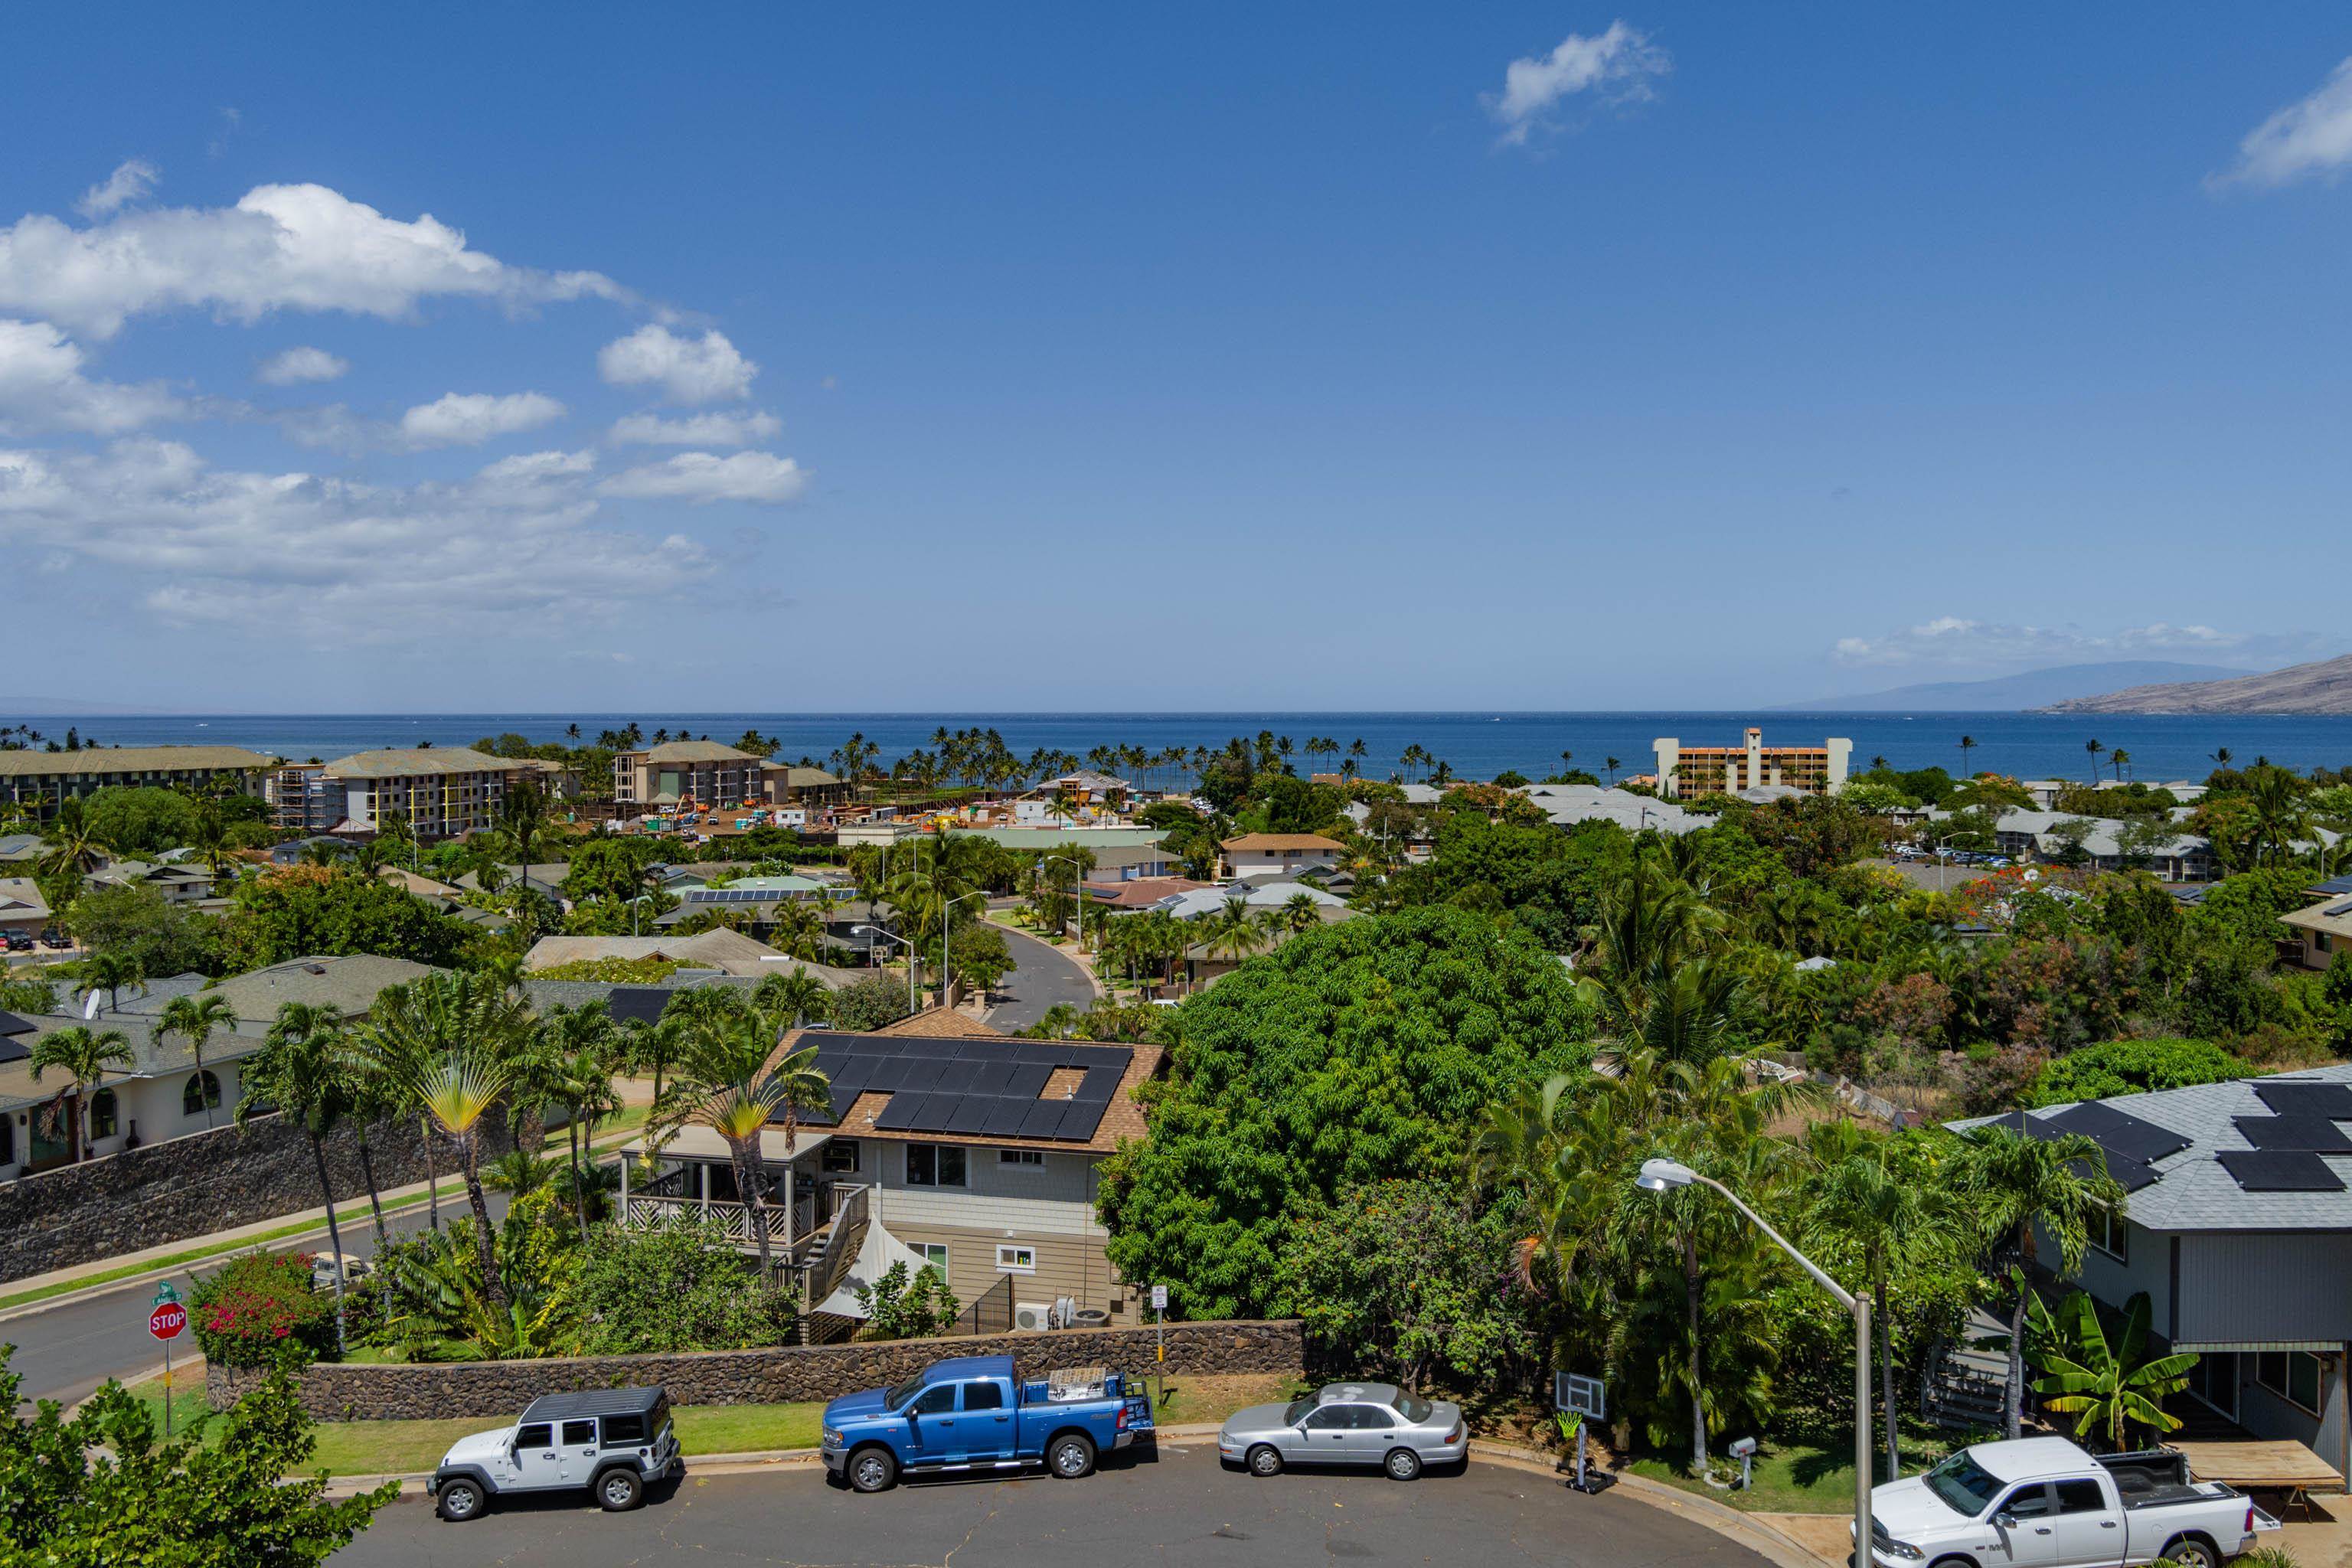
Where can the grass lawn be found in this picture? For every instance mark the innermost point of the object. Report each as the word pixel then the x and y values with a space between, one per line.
pixel 1798 1478
pixel 391 1448
pixel 1187 1399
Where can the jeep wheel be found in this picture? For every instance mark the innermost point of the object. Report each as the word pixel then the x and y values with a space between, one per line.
pixel 619 1490
pixel 1404 1465
pixel 1072 1454
pixel 873 1470
pixel 1264 1460
pixel 459 1500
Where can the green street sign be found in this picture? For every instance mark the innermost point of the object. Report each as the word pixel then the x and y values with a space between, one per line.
pixel 164 1292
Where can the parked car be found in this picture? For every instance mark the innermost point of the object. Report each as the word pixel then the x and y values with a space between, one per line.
pixel 610 1442
pixel 17 941
pixel 1376 1424
pixel 55 939
pixel 2049 1502
pixel 322 1270
pixel 972 1412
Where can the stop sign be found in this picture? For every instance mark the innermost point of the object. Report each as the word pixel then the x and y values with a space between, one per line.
pixel 166 1322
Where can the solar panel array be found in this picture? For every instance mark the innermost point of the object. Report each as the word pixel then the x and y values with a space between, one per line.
pixel 2310 1134
pixel 2266 1170
pixel 737 896
pixel 985 1088
pixel 2131 1171
pixel 2303 1096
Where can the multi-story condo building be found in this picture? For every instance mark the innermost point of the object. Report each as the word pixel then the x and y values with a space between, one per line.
pixel 443 794
pixel 703 772
pixel 1691 771
pixel 40 780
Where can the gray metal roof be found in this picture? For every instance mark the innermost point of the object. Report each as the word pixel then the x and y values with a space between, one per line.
pixel 2193 1192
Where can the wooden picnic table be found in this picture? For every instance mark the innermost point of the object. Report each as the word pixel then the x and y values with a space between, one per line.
pixel 2264 1464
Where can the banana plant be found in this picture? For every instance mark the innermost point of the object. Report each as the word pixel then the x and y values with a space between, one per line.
pixel 2110 1385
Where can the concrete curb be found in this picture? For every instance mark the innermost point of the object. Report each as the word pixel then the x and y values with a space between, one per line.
pixel 1729 1522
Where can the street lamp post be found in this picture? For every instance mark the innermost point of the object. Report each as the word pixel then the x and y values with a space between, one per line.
pixel 902 941
pixel 1077 892
pixel 947 970
pixel 1665 1175
pixel 640 899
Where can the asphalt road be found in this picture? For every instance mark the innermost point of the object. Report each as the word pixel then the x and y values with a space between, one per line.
pixel 1042 976
pixel 64 1352
pixel 1180 1508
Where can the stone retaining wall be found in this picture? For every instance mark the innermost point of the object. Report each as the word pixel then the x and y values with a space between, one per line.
pixel 184 1187
pixel 775 1375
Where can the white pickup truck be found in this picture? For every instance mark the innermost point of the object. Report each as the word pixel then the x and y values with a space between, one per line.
pixel 2045 1502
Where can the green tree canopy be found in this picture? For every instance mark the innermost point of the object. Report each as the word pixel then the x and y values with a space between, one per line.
pixel 1356 1053
pixel 304 910
pixel 159 937
pixel 2131 1066
pixel 143 820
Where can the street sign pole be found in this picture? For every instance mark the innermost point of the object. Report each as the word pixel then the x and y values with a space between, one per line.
pixel 167 1391
pixel 166 1320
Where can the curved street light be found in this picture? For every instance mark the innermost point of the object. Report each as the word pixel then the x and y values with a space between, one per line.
pixel 947 970
pixel 1077 892
pixel 1662 1175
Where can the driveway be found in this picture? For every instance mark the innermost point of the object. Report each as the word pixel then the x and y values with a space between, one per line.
pixel 1042 976
pixel 1179 1509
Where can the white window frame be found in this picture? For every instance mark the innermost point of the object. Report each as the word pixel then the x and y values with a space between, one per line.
pixel 1017 1249
pixel 1021 1158
pixel 936 1183
pixel 835 1147
pixel 2115 1240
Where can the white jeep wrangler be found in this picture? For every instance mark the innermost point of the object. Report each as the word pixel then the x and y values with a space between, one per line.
pixel 612 1442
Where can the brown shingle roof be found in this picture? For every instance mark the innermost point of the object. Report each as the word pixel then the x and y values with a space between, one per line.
pixel 939 1022
pixel 1279 841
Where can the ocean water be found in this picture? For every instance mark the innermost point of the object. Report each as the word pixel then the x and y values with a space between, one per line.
pixel 1477 745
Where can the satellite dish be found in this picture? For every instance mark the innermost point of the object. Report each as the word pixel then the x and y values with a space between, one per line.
pixel 90 1006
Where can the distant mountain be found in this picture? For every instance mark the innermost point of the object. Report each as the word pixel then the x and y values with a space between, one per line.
pixel 2305 688
pixel 2015 693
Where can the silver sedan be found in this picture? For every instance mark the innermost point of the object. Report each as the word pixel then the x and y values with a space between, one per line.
pixel 1376 1424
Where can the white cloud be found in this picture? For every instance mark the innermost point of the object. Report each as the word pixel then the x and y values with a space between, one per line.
pixel 1617 66
pixel 42 387
pixel 133 178
pixel 688 370
pixel 298 365
pixel 297 248
pixel 470 418
pixel 2311 136
pixel 696 429
pixel 331 561
pixel 1956 642
pixel 701 477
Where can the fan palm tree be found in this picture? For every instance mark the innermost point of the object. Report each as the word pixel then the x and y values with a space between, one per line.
pixel 299 1072
pixel 1873 1193
pixel 194 1019
pixel 415 1028
pixel 2023 1188
pixel 457 1092
pixel 724 1082
pixel 84 1056
pixel 2114 1384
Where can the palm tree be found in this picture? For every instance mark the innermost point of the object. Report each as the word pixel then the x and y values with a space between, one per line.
pixel 1231 932
pixel 415 1028
pixel 2222 755
pixel 194 1019
pixel 2119 759
pixel 110 972
pixel 457 1092
pixel 582 1043
pixel 2093 747
pixel 76 846
pixel 84 1056
pixel 2282 817
pixel 1867 1190
pixel 790 1001
pixel 1968 744
pixel 1611 764
pixel 522 816
pixel 2019 1186
pixel 299 1071
pixel 724 1083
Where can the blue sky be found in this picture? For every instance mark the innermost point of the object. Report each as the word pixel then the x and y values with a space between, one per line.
pixel 1229 357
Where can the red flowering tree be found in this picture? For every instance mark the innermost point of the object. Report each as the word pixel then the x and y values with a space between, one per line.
pixel 258 1305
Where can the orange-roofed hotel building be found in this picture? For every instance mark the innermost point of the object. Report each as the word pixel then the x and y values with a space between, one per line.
pixel 1692 771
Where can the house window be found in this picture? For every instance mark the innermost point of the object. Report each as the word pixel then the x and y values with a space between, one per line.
pixel 934 1256
pixel 2292 1375
pixel 840 1158
pixel 2109 1234
pixel 935 1165
pixel 1028 1159
pixel 105 1115
pixel 202 1093
pixel 1016 1259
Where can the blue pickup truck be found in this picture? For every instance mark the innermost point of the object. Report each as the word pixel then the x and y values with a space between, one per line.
pixel 973 1414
